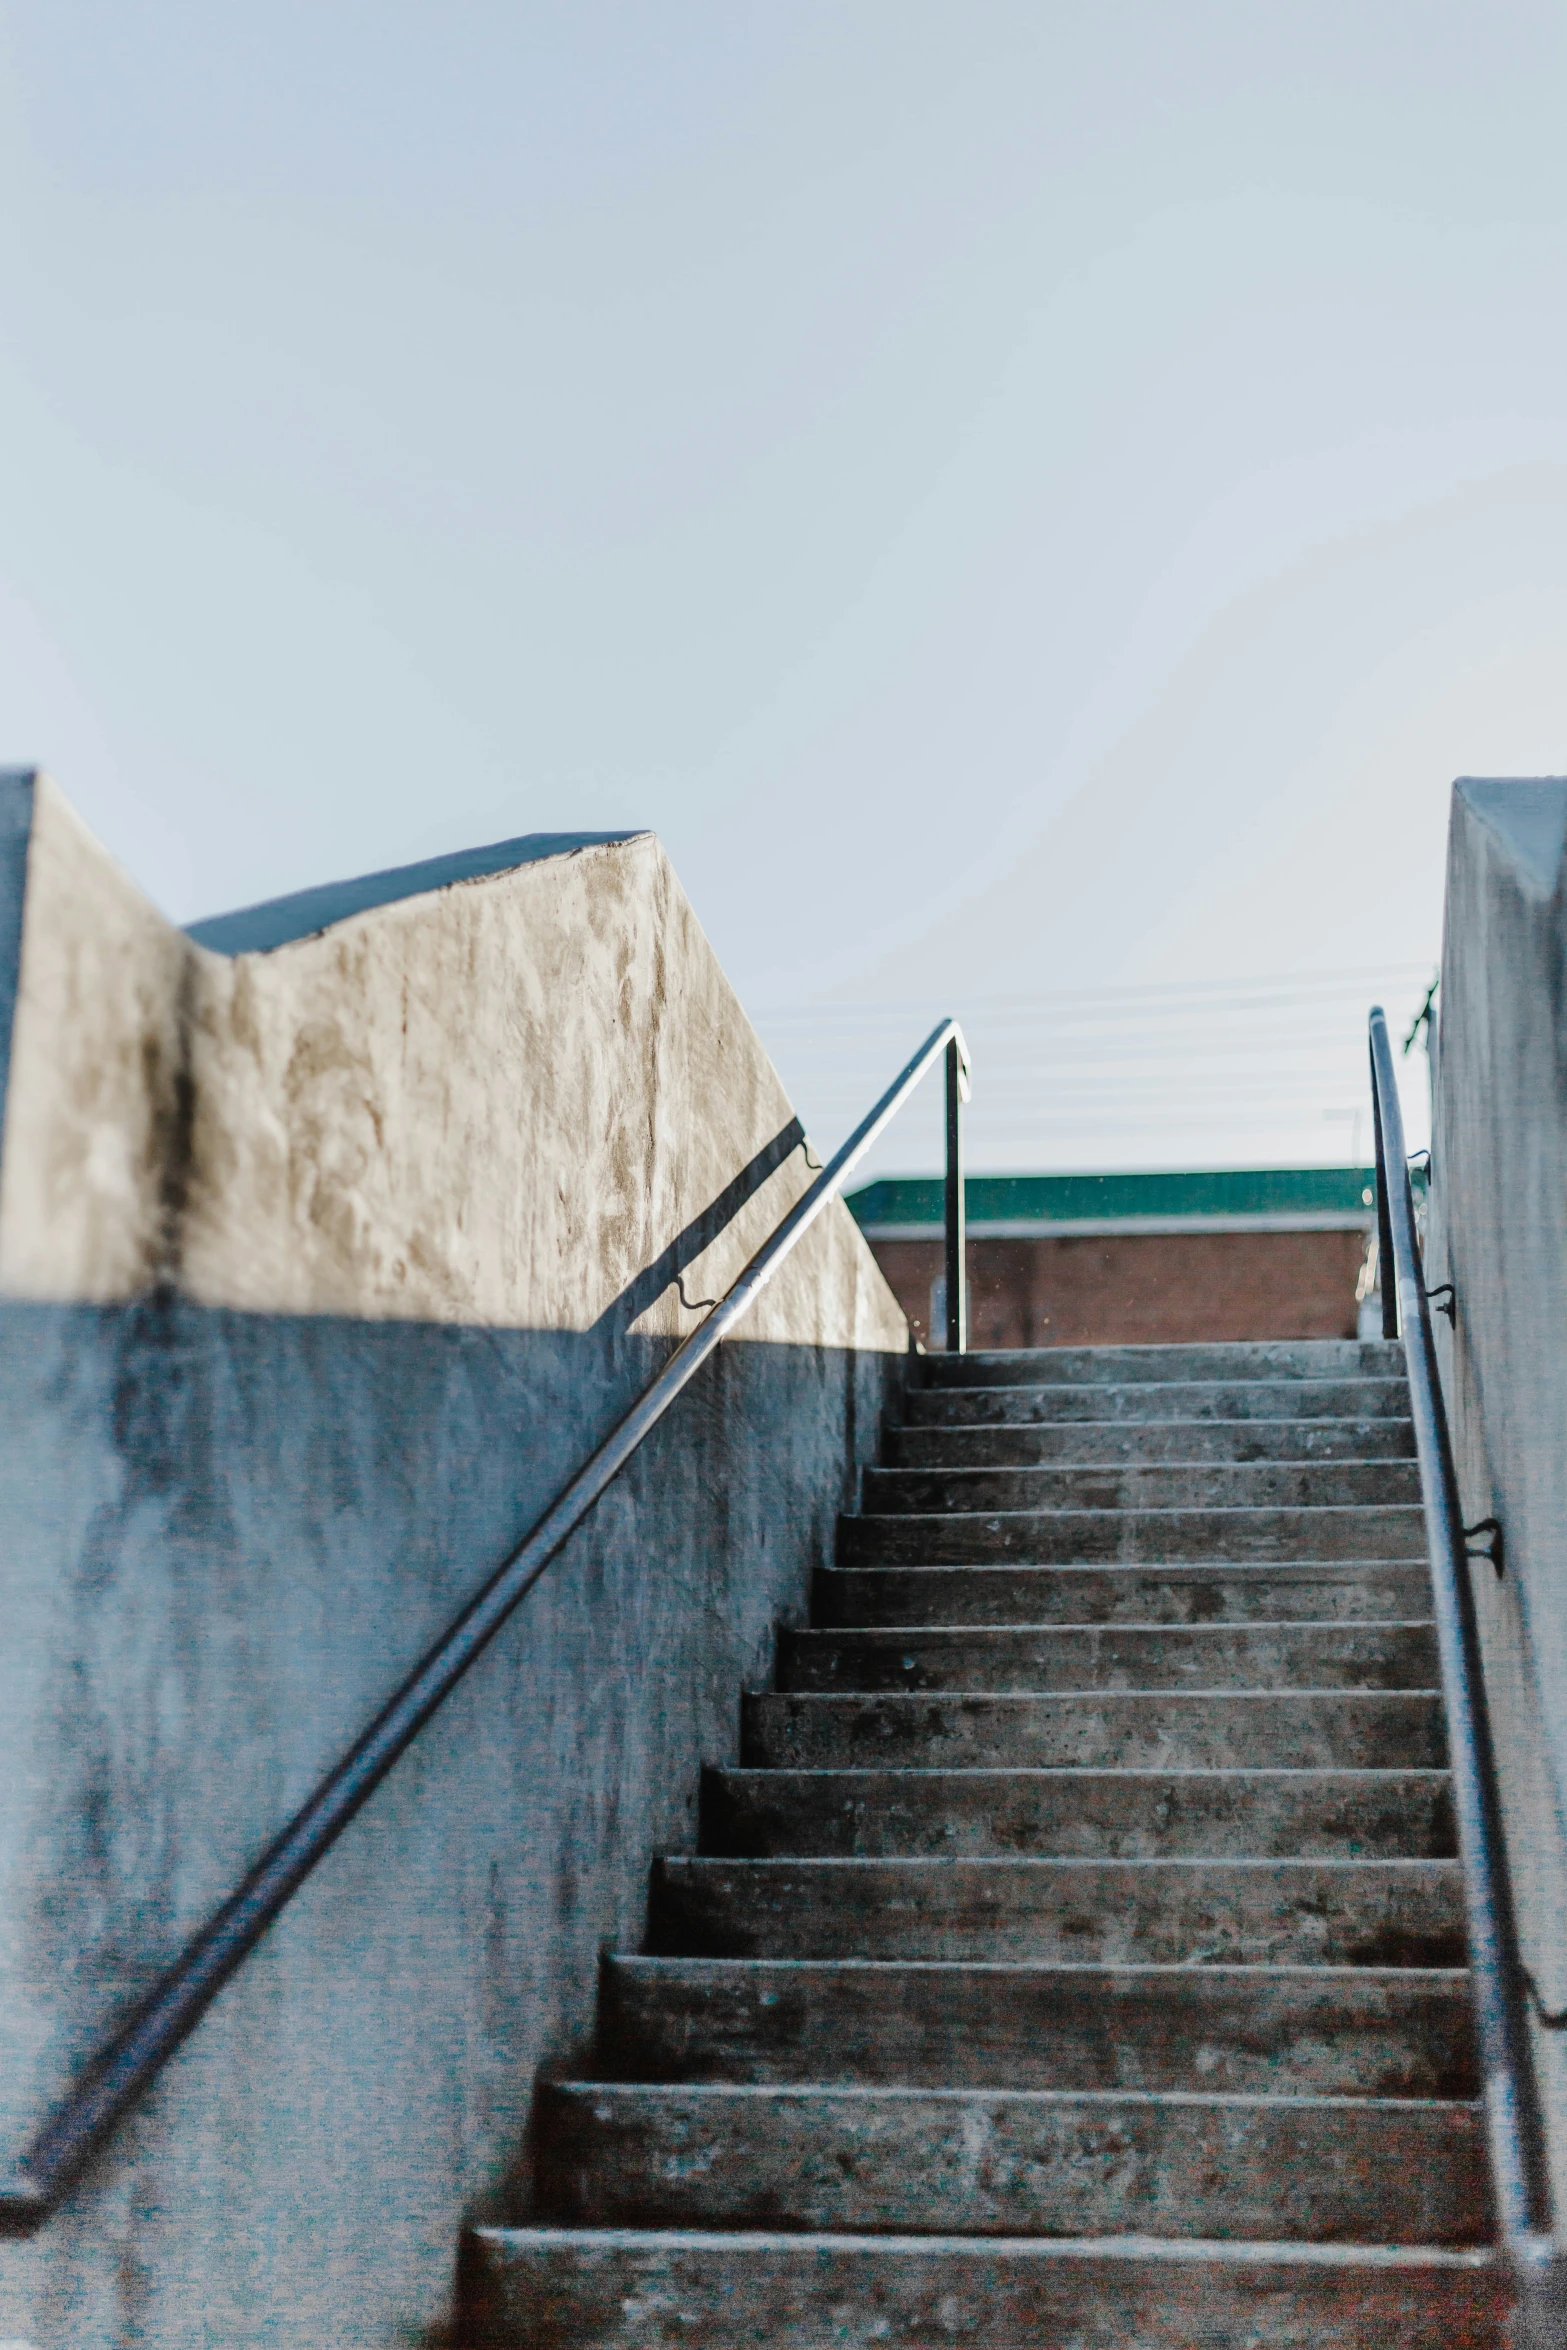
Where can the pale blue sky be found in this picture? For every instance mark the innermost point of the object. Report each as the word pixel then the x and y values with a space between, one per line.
pixel 1024 499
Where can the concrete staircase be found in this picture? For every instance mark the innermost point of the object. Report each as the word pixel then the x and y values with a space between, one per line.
pixel 1077 1957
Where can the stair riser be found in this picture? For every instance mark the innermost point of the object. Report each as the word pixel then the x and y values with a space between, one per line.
pixel 1131 1537
pixel 890 1815
pixel 1348 1592
pixel 1011 2165
pixel 1306 1656
pixel 1332 1399
pixel 1024 1445
pixel 537 2290
pixel 1104 1732
pixel 1302 1913
pixel 1303 2032
pixel 1174 1485
pixel 1114 1366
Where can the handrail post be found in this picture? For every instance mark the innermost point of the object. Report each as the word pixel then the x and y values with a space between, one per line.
pixel 1387 1279
pixel 957 1226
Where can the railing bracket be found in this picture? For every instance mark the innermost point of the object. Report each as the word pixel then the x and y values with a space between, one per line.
pixel 1445 1299
pixel 1491 1547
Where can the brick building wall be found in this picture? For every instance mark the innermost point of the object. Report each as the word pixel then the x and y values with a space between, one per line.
pixel 1143 1288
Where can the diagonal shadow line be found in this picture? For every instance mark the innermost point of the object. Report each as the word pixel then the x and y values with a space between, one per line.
pixel 698 1235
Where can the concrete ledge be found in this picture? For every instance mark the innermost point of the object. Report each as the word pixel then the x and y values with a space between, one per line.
pixel 1498 1232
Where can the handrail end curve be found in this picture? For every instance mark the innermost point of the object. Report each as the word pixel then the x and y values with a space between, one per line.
pixel 24 2204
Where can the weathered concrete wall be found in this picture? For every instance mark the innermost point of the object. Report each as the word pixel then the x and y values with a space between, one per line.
pixel 324 1261
pixel 1498 1231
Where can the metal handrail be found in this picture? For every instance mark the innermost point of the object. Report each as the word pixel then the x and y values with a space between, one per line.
pixel 115 2079
pixel 1523 2207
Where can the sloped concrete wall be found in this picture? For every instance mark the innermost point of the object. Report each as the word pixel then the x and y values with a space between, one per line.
pixel 332 1238
pixel 1498 1232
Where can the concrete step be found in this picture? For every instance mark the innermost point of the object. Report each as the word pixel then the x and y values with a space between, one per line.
pixel 1120 1366
pixel 1167 1485
pixel 1303 2031
pixel 1148 1401
pixel 1112 1656
pixel 1134 1537
pixel 1021 1444
pixel 1086 1815
pixel 633 2289
pixel 1012 2162
pixel 1319 1592
pixel 1113 1913
pixel 1104 1730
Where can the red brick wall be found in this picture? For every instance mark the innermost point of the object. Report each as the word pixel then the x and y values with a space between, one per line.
pixel 1140 1288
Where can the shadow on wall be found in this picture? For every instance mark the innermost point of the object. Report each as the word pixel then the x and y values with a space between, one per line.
pixel 229 1536
pixel 670 1265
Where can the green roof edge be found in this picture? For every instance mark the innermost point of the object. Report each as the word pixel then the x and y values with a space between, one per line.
pixel 1056 1199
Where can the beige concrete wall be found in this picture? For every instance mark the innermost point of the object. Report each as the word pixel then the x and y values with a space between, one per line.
pixel 321 1268
pixel 1498 1231
pixel 492 1101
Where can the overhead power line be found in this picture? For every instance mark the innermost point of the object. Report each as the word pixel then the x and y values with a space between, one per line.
pixel 1264 1065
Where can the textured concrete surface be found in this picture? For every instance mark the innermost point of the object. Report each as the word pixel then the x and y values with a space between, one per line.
pixel 1108 1730
pixel 1109 1815
pixel 1012 2163
pixel 1325 2031
pixel 1097 1656
pixel 1148 1485
pixel 1498 1232
pixel 1325 1590
pixel 758 2291
pixel 477 1102
pixel 1393 1530
pixel 1039 1396
pixel 1121 1913
pixel 1082 1443
pixel 323 1264
pixel 1212 1367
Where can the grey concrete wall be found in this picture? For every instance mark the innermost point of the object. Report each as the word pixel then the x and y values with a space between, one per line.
pixel 323 1262
pixel 1497 1229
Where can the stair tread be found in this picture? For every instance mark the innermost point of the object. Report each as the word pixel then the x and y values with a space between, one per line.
pixel 742 2289
pixel 1043 1861
pixel 1102 1975
pixel 591 2085
pixel 1074 1774
pixel 1240 2252
pixel 1228 1359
